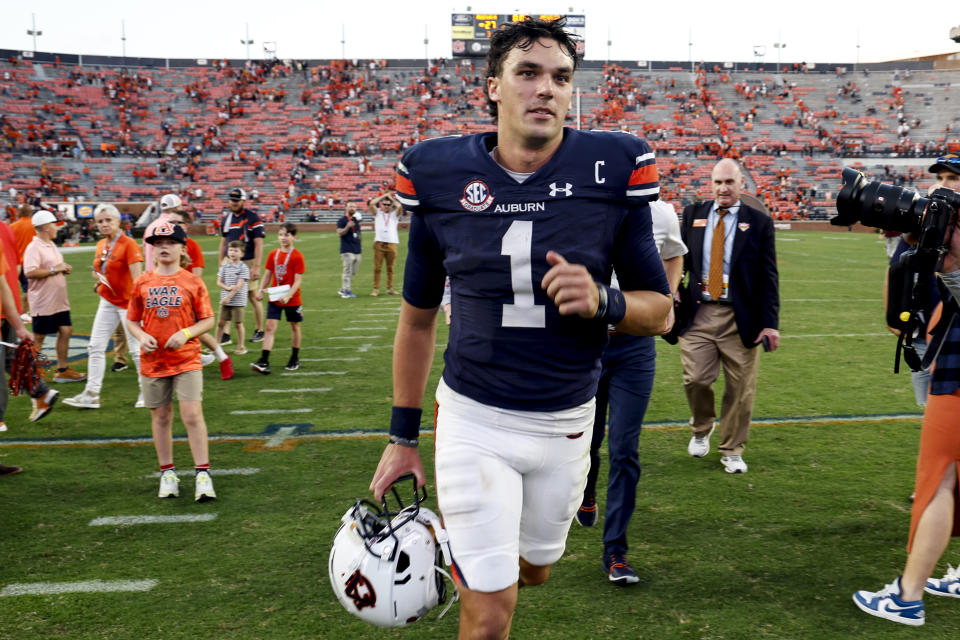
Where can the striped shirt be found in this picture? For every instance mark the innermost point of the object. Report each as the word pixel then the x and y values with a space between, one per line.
pixel 230 273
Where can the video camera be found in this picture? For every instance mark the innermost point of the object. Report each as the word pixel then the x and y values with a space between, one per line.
pixel 891 208
pixel 932 221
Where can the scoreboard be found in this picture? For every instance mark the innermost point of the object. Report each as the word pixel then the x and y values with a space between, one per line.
pixel 472 31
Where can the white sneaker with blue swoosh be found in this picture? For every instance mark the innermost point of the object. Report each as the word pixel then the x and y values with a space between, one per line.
pixel 886 603
pixel 948 585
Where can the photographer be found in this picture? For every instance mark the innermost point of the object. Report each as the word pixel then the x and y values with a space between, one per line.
pixel 348 228
pixel 934 517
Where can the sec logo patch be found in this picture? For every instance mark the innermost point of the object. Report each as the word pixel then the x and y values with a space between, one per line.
pixel 476 196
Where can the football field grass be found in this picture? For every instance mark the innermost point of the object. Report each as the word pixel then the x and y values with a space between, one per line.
pixel 775 553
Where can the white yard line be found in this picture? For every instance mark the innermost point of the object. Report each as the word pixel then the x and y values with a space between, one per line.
pixel 87 586
pixel 243 471
pixel 269 411
pixel 278 438
pixel 329 359
pixel 314 373
pixel 307 390
pixel 353 337
pixel 124 520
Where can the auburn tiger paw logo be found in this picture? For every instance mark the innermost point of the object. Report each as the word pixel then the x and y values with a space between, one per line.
pixel 359 589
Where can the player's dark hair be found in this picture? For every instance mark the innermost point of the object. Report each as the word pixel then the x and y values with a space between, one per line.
pixel 524 35
pixel 290 228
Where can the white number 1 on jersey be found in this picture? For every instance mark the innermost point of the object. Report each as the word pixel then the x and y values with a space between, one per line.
pixel 517 243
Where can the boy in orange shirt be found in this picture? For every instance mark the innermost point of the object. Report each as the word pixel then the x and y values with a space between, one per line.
pixel 285 266
pixel 168 309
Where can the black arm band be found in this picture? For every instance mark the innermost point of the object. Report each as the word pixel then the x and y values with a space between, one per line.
pixel 612 306
pixel 405 422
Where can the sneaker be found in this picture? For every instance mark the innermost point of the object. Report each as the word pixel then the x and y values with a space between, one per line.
pixel 9 470
pixel 240 351
pixel 118 366
pixel 618 570
pixel 587 513
pixel 207 358
pixel 261 367
pixel 43 406
pixel 948 585
pixel 69 375
pixel 169 485
pixel 342 293
pixel 886 603
pixel 85 400
pixel 733 464
pixel 350 294
pixel 3 427
pixel 257 336
pixel 699 447
pixel 225 340
pixel 226 369
pixel 140 404
pixel 293 364
pixel 204 488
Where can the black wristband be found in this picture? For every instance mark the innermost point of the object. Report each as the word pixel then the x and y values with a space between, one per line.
pixel 405 422
pixel 612 306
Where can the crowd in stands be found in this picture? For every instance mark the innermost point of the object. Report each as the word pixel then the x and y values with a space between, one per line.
pixel 308 136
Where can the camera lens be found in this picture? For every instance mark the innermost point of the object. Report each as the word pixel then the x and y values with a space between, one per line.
pixel 875 204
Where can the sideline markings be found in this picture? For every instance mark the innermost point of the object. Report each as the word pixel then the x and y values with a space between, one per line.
pixel 303 431
pixel 307 390
pixel 253 412
pixel 377 315
pixel 243 471
pixel 353 337
pixel 329 359
pixel 123 520
pixel 86 586
pixel 837 335
pixel 365 328
pixel 830 300
pixel 312 373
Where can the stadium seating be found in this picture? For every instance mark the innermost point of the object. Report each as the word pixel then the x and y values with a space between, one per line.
pixel 306 139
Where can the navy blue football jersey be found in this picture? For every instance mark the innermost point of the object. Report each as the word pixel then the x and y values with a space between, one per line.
pixel 509 346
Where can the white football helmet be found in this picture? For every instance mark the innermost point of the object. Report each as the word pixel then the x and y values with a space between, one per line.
pixel 385 566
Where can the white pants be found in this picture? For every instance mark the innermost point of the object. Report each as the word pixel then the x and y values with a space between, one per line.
pixel 508 484
pixel 104 324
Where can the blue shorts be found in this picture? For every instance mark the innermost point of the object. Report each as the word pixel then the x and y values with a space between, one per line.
pixel 294 314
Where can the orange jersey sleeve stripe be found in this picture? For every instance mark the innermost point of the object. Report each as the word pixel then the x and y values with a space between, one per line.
pixel 644 175
pixel 405 186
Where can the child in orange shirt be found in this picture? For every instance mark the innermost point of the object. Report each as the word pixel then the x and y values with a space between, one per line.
pixel 169 307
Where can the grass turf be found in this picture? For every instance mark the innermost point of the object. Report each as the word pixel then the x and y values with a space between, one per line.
pixel 776 553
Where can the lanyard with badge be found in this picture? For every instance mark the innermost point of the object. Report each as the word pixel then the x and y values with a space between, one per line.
pixel 101 272
pixel 281 269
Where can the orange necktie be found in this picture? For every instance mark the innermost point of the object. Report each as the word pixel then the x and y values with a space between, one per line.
pixel 715 283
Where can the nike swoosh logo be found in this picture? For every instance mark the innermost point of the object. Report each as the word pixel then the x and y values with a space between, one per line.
pixel 889 607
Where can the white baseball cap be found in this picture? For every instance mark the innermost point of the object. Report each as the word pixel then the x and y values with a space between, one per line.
pixel 43 217
pixel 170 201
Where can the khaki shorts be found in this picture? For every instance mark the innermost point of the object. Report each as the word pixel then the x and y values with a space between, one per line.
pixel 231 314
pixel 158 392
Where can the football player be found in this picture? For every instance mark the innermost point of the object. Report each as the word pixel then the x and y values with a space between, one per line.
pixel 527 222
